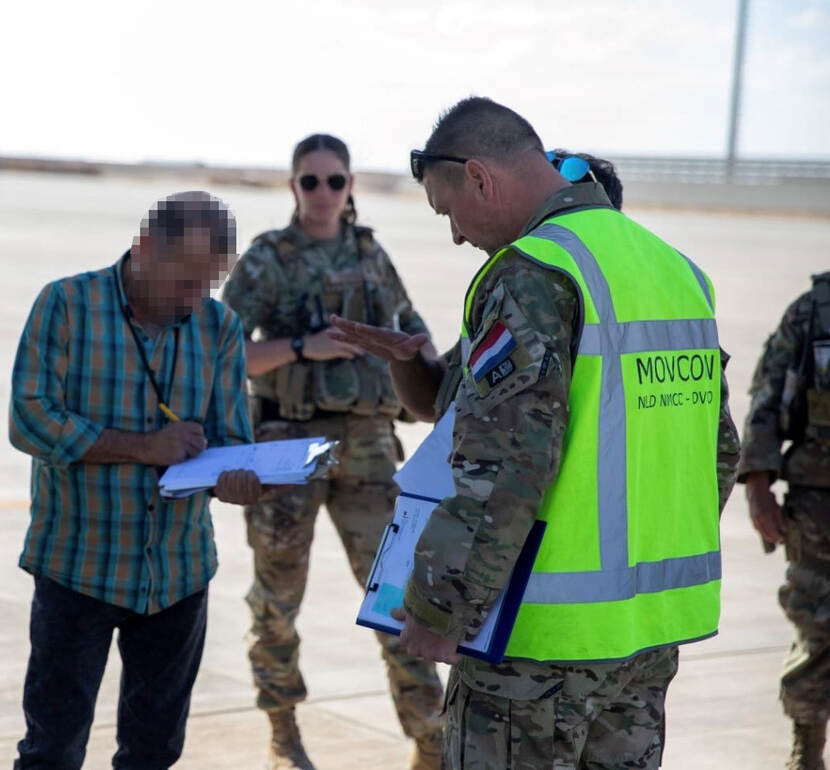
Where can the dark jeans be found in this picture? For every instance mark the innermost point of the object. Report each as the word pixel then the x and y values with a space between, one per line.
pixel 71 635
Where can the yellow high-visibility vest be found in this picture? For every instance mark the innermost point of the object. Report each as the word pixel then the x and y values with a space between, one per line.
pixel 630 559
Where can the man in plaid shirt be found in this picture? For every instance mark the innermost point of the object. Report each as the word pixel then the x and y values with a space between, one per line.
pixel 119 373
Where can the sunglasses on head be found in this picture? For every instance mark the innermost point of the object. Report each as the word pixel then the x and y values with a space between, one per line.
pixel 572 167
pixel 336 182
pixel 418 160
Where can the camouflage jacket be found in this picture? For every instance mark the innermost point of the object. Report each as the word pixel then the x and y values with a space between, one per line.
pixel 506 452
pixel 288 284
pixel 807 461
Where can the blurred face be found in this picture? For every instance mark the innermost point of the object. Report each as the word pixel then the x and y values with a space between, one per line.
pixel 471 214
pixel 175 278
pixel 314 185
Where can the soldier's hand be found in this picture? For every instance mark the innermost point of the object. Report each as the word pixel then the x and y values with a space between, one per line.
pixel 173 444
pixel 239 487
pixel 764 510
pixel 419 642
pixel 322 347
pixel 387 344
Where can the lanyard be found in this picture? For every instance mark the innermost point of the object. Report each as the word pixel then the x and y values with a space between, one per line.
pixel 150 374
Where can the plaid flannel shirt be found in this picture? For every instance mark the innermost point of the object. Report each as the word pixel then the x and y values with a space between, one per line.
pixel 102 529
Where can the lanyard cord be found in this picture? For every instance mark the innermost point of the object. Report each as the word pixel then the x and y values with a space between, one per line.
pixel 150 374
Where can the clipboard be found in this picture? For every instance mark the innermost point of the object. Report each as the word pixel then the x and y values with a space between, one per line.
pixel 393 565
pixel 289 461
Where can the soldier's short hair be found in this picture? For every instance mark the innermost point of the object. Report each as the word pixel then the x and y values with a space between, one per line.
pixel 479 127
pixel 172 217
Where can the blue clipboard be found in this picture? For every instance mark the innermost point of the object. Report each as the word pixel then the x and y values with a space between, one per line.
pixel 382 596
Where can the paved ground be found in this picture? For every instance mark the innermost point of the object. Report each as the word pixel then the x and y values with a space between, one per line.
pixel 723 710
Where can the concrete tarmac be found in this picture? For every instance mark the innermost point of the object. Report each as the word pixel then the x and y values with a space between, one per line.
pixel 722 707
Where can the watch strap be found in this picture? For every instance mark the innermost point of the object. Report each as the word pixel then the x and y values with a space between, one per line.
pixel 297 344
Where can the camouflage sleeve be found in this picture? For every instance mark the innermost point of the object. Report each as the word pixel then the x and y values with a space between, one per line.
pixel 453 373
pixel 252 286
pixel 408 320
pixel 511 415
pixel 452 357
pixel 729 446
pixel 762 437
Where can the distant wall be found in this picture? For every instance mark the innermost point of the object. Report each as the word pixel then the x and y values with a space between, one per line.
pixel 782 186
pixel 810 197
pixel 787 186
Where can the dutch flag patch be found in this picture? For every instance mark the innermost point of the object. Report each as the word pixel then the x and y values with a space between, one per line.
pixel 492 351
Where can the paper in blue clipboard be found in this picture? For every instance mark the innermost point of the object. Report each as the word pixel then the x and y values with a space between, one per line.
pixel 425 480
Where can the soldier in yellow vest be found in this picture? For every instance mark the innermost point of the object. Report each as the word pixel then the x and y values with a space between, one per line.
pixel 588 392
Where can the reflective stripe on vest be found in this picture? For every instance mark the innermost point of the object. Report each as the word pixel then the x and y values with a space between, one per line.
pixel 615 579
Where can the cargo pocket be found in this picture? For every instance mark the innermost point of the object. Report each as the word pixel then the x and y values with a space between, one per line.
pixel 368 398
pixel 485 731
pixel 532 731
pixel 818 409
pixel 336 385
pixel 293 388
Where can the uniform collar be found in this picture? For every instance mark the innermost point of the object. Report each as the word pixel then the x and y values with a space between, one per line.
pixel 575 196
pixel 302 239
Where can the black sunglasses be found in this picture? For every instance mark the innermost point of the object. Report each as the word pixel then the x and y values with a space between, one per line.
pixel 309 182
pixel 418 160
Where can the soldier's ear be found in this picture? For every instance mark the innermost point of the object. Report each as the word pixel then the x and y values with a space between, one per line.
pixel 480 178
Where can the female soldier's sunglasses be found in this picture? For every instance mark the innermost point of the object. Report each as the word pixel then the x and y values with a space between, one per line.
pixel 309 182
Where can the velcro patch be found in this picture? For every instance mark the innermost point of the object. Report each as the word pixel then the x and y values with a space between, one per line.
pixel 500 371
pixel 492 351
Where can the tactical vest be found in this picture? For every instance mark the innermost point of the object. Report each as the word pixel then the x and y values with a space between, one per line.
pixel 805 401
pixel 630 559
pixel 360 386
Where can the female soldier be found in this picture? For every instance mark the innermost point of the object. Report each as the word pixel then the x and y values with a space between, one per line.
pixel 305 384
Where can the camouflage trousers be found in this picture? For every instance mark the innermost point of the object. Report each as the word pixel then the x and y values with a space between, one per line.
pixel 805 597
pixel 359 496
pixel 602 717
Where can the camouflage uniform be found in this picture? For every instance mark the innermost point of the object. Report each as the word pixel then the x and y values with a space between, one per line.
pixel 805 596
pixel 285 285
pixel 506 452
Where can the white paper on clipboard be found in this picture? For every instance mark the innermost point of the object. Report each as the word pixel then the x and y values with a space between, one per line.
pixel 427 473
pixel 425 480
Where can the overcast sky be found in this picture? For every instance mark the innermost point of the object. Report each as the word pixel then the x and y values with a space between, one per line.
pixel 241 82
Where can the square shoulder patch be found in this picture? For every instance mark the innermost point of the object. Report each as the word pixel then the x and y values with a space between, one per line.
pixel 490 359
pixel 506 356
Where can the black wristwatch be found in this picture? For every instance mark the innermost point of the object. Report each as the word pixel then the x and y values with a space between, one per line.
pixel 297 346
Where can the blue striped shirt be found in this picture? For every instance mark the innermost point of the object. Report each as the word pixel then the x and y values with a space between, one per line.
pixel 102 529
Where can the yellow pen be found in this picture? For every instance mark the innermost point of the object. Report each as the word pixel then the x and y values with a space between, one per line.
pixel 168 412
